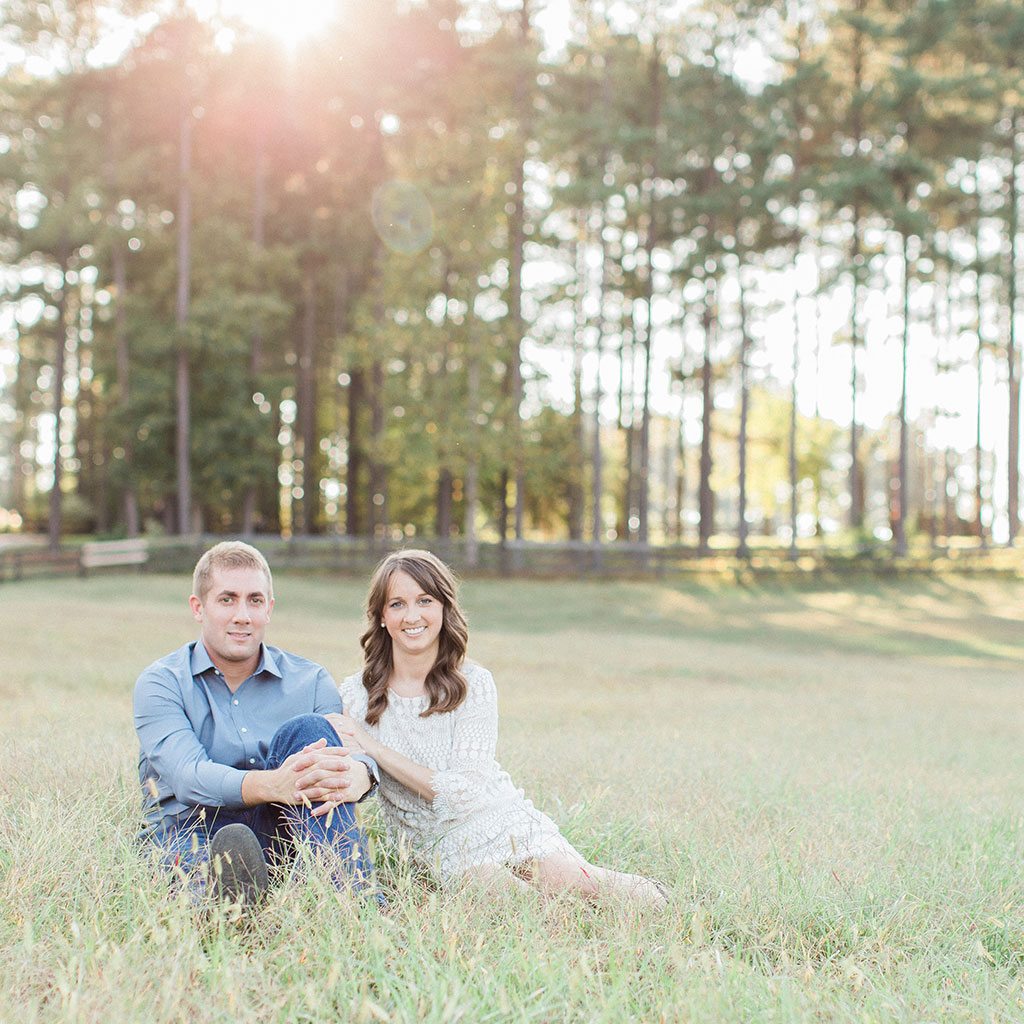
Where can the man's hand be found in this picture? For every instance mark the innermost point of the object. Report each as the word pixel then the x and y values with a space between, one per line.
pixel 274 785
pixel 328 776
pixel 316 773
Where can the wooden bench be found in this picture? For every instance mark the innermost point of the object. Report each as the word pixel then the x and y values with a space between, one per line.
pixel 103 554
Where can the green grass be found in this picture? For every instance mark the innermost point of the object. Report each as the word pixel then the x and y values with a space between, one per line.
pixel 831 782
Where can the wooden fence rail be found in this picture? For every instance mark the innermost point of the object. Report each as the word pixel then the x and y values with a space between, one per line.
pixel 357 556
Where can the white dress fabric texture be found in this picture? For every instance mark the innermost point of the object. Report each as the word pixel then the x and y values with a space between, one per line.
pixel 478 815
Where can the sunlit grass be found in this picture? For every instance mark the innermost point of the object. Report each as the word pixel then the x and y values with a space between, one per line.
pixel 830 781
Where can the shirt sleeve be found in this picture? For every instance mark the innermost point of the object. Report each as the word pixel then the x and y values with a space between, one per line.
pixel 460 787
pixel 170 745
pixel 326 699
pixel 371 765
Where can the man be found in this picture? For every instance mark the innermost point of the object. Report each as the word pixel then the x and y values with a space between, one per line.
pixel 237 763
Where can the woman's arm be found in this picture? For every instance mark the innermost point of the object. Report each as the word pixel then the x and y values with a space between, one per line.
pixel 457 789
pixel 462 787
pixel 416 777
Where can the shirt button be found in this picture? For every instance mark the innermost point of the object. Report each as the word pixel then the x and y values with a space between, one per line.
pixel 235 701
pixel 244 729
pixel 252 760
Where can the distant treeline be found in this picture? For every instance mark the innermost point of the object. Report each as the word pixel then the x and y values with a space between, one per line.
pixel 264 291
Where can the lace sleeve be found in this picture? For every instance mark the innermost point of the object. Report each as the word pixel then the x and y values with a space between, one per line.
pixel 460 787
pixel 353 696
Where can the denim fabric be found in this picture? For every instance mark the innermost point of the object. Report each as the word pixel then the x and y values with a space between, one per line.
pixel 183 839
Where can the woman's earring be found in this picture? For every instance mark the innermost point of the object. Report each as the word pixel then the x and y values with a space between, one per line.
pixel 382 624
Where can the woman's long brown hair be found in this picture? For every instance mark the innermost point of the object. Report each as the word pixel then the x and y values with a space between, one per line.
pixel 445 683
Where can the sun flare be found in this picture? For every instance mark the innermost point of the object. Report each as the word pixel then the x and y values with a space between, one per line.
pixel 289 21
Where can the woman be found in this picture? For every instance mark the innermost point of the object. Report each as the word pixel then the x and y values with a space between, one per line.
pixel 430 720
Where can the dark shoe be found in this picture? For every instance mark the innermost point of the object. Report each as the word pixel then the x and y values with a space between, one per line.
pixel 238 869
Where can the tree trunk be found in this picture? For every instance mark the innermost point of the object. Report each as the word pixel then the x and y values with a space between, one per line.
pixel 183 429
pixel 856 256
pixel 651 241
pixel 445 478
pixel 356 455
pixel 818 345
pixel 900 527
pixel 706 499
pixel 576 460
pixel 932 497
pixel 92 453
pixel 471 481
pixel 259 204
pixel 378 473
pixel 21 469
pixel 517 236
pixel 627 401
pixel 799 123
pixel 503 482
pixel 445 482
pixel 122 352
pixel 794 481
pixel 668 462
pixel 1012 353
pixel 979 502
pixel 948 493
pixel 59 362
pixel 306 394
pixel 123 356
pixel 856 510
pixel 597 453
pixel 742 548
pixel 83 439
pixel 680 499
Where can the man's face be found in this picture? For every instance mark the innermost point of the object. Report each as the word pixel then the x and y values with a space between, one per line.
pixel 234 614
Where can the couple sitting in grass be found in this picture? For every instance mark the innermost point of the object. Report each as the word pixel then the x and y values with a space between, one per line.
pixel 248 753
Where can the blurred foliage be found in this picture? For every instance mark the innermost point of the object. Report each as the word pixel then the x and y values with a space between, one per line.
pixel 358 376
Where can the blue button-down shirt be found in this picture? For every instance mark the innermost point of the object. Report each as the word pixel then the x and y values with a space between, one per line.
pixel 197 739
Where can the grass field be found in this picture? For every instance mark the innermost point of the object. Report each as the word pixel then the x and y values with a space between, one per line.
pixel 831 783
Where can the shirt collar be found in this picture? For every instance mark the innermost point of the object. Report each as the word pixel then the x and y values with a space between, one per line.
pixel 268 663
pixel 202 662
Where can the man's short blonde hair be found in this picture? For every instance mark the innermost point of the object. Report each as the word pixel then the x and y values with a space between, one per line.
pixel 229 554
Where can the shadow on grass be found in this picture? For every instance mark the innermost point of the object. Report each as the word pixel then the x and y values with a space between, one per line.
pixel 931 618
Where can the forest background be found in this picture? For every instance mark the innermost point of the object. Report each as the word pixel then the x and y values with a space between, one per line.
pixel 671 273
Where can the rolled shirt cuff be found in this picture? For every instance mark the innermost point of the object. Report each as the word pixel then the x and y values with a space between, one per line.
pixel 228 788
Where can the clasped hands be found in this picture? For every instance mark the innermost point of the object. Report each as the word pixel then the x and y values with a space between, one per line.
pixel 326 777
pixel 320 776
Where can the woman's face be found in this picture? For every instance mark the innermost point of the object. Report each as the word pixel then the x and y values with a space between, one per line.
pixel 412 617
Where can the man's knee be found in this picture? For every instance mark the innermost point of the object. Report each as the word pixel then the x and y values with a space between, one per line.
pixel 299 732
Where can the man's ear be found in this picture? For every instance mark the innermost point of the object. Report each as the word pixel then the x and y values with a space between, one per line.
pixel 197 608
pixel 270 608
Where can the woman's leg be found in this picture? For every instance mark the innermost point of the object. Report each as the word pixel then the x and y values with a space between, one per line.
pixel 491 877
pixel 564 872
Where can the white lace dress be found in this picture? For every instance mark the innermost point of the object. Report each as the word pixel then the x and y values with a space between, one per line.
pixel 478 815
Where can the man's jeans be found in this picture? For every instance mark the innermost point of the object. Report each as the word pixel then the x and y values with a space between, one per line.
pixel 183 839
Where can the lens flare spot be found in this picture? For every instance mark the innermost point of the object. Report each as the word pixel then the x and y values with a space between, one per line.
pixel 402 216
